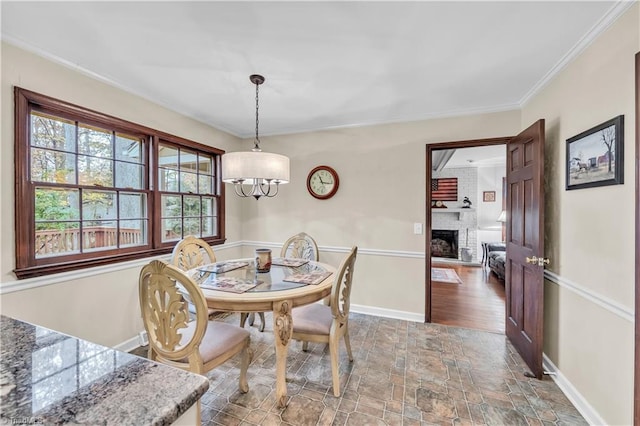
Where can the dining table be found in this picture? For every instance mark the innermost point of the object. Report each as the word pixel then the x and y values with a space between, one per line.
pixel 237 286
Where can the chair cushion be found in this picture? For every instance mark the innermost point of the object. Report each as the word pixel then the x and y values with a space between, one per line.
pixel 218 338
pixel 312 319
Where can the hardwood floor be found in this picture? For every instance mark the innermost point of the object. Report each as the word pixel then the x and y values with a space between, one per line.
pixel 477 303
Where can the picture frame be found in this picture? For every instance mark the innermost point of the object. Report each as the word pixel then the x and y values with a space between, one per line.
pixel 595 157
pixel 488 196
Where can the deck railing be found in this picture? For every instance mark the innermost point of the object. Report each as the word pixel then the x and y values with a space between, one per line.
pixel 54 241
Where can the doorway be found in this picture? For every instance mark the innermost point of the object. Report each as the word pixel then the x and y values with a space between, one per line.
pixel 463 214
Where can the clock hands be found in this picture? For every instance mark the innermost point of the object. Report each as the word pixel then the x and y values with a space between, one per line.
pixel 323 182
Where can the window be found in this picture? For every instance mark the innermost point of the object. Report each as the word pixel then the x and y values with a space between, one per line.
pixel 93 189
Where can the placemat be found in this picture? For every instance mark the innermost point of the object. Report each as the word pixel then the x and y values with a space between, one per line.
pixel 310 278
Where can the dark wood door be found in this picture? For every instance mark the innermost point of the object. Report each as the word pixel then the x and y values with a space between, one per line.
pixel 525 244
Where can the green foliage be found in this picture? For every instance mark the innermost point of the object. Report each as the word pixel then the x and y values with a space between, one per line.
pixel 54 205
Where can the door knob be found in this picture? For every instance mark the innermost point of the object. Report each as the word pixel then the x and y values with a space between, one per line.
pixel 540 261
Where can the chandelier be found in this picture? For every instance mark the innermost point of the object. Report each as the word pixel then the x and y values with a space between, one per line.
pixel 255 173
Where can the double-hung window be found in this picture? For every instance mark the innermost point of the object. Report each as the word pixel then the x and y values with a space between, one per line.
pixel 92 189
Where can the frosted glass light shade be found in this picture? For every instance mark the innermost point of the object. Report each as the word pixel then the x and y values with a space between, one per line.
pixel 251 165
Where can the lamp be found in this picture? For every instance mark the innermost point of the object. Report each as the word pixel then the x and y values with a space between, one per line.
pixel 503 219
pixel 263 171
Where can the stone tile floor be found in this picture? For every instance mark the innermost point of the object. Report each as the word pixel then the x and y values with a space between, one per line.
pixel 404 373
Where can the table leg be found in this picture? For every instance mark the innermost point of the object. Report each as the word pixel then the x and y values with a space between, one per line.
pixel 282 327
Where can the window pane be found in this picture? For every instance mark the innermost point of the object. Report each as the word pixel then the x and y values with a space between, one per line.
pixel 52 132
pixel 99 235
pixel 171 229
pixel 56 204
pixel 52 166
pixel 205 184
pixel 133 206
pixel 133 232
pixel 98 205
pixel 171 206
pixel 207 206
pixel 191 206
pixel 205 164
pixel 188 160
pixel 95 171
pixel 191 226
pixel 129 175
pixel 94 141
pixel 168 180
pixel 208 226
pixel 168 157
pixel 188 182
pixel 57 238
pixel 128 148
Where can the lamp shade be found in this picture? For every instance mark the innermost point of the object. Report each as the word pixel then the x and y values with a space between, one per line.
pixel 251 165
pixel 503 216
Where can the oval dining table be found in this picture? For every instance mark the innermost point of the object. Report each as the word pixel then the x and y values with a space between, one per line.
pixel 271 293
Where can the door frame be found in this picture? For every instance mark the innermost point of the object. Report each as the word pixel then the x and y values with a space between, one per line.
pixel 430 147
pixel 636 390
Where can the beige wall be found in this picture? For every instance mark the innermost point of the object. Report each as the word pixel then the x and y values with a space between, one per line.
pixel 381 196
pixel 86 307
pixel 590 232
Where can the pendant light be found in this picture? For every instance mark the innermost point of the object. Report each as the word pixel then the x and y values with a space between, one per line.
pixel 255 173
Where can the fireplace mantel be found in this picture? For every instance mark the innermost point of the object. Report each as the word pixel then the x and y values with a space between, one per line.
pixel 457 210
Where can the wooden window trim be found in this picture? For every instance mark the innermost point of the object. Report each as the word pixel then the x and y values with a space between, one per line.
pixel 27 266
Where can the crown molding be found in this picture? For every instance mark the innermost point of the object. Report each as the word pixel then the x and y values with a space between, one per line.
pixel 599 27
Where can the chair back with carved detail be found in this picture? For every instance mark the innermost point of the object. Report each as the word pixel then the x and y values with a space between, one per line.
pixel 340 300
pixel 301 246
pixel 165 314
pixel 197 346
pixel 191 252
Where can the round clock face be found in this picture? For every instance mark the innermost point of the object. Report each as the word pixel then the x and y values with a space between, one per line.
pixel 323 182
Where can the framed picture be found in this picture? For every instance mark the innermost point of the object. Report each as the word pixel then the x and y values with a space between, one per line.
pixel 595 157
pixel 488 196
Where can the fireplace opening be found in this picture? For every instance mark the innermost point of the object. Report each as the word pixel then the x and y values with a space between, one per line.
pixel 444 243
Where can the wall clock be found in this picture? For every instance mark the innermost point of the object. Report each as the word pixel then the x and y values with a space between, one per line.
pixel 323 182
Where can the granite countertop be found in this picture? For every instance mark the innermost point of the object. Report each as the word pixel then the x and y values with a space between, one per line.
pixel 51 378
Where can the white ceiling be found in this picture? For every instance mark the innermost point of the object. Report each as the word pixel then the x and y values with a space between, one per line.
pixel 327 64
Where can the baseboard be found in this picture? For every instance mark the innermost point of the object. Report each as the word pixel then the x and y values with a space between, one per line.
pixel 387 313
pixel 582 405
pixel 128 345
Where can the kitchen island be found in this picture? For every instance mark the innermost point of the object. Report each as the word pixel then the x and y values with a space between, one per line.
pixel 47 377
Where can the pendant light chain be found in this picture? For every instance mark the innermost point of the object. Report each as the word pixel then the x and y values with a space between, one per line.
pixel 257 141
pixel 255 173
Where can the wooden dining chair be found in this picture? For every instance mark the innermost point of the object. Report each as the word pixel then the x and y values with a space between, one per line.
pixel 301 246
pixel 327 324
pixel 191 252
pixel 197 346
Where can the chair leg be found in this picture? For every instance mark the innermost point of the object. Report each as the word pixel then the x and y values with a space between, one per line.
pixel 347 343
pixel 335 372
pixel 252 318
pixel 243 318
pixel 247 355
pixel 261 314
pixel 305 345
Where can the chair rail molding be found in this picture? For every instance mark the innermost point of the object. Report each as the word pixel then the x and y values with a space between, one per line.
pixel 28 283
pixel 612 306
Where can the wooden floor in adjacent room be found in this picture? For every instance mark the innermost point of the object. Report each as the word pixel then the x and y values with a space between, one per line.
pixel 476 303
